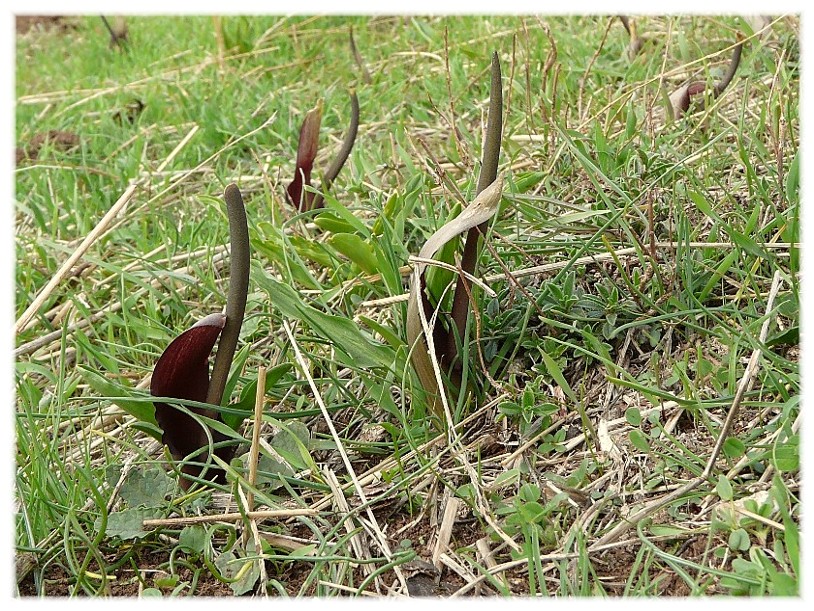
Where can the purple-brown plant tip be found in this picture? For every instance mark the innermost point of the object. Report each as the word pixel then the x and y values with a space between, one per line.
pixel 306 154
pixel 681 99
pixel 636 41
pixel 182 372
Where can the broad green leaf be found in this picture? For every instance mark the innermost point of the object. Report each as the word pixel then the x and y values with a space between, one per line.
pixel 525 180
pixel 724 488
pixel 353 344
pixel 147 486
pixel 242 572
pixel 387 334
pixel 787 455
pixel 127 524
pixel 357 250
pixel 529 492
pixel 327 221
pixel 312 251
pixel 193 539
pixel 639 441
pixel 292 444
pixel 739 540
pixel 275 245
pixel 784 585
pixel 346 215
pixel 734 447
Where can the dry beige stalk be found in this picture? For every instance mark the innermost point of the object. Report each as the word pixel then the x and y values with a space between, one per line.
pixel 102 227
pixel 586 260
pixel 381 540
pixel 63 271
pixel 254 451
pixel 445 532
pixel 358 544
pixel 419 333
pixel 279 514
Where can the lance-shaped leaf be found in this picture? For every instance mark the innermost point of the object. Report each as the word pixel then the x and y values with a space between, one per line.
pixel 303 199
pixel 682 98
pixel 306 154
pixel 419 308
pixel 182 372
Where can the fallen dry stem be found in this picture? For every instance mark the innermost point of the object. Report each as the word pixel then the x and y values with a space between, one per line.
pixel 586 260
pixel 254 451
pixel 44 340
pixel 103 227
pixel 279 514
pixel 445 531
pixel 95 234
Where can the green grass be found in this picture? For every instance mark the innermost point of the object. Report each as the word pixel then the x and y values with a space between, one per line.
pixel 593 388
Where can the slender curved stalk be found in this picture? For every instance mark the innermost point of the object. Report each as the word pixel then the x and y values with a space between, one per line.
pixel 626 22
pixel 488 174
pixel 733 68
pixel 342 156
pixel 494 129
pixel 238 292
pixel 680 100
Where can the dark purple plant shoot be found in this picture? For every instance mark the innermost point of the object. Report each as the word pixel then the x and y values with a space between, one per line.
pixel 686 95
pixel 636 42
pixel 307 148
pixel 182 371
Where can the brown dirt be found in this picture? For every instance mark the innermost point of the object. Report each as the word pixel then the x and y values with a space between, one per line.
pixel 125 582
pixel 26 23
pixel 63 141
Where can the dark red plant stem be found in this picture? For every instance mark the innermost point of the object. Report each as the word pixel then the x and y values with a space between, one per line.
pixel 488 174
pixel 344 152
